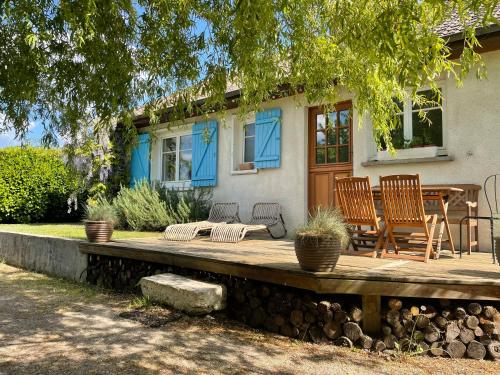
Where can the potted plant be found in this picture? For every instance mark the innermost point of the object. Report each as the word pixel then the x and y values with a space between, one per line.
pixel 319 242
pixel 418 147
pixel 100 218
pixel 246 166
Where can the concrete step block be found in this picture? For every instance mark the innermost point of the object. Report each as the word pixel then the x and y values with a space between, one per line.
pixel 185 294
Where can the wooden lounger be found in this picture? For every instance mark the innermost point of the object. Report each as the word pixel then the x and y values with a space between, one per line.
pixel 219 213
pixel 265 216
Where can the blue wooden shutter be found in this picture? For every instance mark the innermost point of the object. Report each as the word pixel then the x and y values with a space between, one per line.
pixel 268 139
pixel 204 154
pixel 139 162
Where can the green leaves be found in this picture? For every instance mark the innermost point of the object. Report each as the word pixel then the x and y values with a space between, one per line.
pixel 35 185
pixel 68 63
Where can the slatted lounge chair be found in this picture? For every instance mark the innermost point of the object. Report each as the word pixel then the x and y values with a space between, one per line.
pixel 265 216
pixel 355 200
pixel 219 213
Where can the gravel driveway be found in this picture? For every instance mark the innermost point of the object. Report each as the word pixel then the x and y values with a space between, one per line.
pixel 50 326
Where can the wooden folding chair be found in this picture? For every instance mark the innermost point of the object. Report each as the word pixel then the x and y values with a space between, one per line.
pixel 355 200
pixel 404 208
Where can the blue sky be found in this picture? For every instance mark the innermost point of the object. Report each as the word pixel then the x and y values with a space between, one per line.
pixel 33 137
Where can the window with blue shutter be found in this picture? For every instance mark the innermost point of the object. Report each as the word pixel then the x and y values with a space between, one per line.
pixel 268 139
pixel 139 162
pixel 204 172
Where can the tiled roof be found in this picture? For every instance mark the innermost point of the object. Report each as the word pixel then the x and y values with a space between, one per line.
pixel 453 25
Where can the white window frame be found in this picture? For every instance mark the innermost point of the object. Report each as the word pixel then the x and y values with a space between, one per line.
pixel 243 139
pixel 408 116
pixel 408 130
pixel 177 182
pixel 238 143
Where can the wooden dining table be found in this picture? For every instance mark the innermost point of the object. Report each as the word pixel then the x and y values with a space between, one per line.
pixel 439 193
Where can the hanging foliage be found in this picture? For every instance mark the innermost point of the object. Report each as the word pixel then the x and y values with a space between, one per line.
pixel 67 63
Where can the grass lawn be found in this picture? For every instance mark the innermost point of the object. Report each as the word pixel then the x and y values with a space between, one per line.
pixel 69 230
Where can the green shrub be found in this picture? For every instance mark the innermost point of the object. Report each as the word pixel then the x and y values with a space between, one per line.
pixel 100 210
pixel 141 208
pixel 144 208
pixel 35 185
pixel 187 205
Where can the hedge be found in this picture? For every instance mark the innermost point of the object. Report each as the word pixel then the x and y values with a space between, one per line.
pixel 35 185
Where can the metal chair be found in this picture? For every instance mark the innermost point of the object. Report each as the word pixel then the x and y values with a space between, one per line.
pixel 264 217
pixel 492 194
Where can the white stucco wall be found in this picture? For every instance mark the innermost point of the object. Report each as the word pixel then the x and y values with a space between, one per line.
pixel 471 134
pixel 286 185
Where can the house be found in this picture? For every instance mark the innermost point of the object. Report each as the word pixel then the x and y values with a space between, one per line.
pixel 295 158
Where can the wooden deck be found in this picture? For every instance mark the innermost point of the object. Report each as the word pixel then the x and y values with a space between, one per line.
pixel 472 277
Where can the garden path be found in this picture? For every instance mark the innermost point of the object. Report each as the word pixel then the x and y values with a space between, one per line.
pixel 50 326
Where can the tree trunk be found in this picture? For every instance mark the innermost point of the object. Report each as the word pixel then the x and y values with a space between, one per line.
pixel 392 317
pixel 379 346
pixel 440 321
pixel 452 331
pixel 344 341
pixel 466 335
pixel 476 350
pixel 395 304
pixel 456 349
pixel 489 312
pixel 494 350
pixel 436 349
pixel 472 322
pixel 431 334
pixel 488 328
pixel 366 342
pixel 406 314
pixel 460 313
pixel 332 330
pixel 422 321
pixel 352 331
pixel 474 308
pixel 356 314
pixel 390 341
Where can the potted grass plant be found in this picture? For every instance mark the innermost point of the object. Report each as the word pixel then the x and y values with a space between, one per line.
pixel 319 242
pixel 100 218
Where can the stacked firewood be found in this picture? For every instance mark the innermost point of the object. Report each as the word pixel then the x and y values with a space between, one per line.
pixel 299 315
pixel 470 330
pixel 454 331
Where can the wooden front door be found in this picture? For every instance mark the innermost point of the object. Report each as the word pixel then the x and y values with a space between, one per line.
pixel 330 152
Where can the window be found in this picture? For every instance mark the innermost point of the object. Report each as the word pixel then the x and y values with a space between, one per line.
pixel 176 158
pixel 414 131
pixel 333 137
pixel 249 143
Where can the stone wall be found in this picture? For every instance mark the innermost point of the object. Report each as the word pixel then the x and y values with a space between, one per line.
pixel 55 256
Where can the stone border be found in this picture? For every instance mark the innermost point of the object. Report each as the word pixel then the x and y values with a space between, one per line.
pixel 51 255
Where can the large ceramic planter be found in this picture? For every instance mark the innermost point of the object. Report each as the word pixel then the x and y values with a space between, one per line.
pixel 317 253
pixel 98 231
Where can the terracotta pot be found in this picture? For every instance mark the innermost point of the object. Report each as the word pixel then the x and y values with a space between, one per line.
pixel 98 231
pixel 317 253
pixel 246 166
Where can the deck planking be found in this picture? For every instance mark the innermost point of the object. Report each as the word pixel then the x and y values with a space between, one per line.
pixel 472 277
